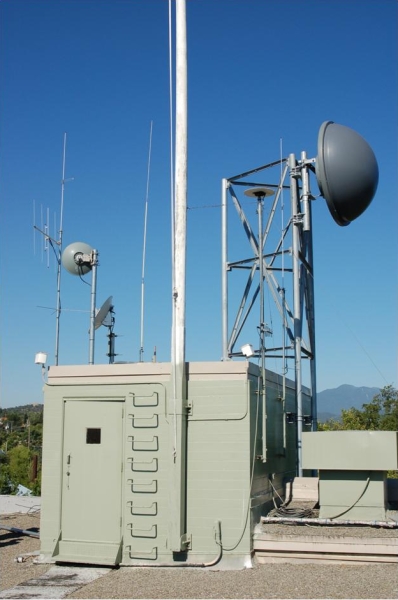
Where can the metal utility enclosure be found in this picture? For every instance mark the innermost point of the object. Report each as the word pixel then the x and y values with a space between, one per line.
pixel 353 469
pixel 109 454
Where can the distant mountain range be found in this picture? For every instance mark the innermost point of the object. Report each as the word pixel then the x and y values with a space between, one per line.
pixel 332 402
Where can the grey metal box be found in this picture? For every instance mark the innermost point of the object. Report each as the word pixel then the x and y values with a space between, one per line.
pixel 350 450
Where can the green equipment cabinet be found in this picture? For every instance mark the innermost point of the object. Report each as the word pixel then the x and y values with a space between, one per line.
pixel 117 487
pixel 352 469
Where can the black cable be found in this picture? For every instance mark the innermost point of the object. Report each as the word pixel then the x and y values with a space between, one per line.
pixel 297 513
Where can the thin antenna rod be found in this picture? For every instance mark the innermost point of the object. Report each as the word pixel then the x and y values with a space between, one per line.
pixel 58 309
pixel 171 138
pixel 34 229
pixel 42 229
pixel 47 230
pixel 172 191
pixel 144 247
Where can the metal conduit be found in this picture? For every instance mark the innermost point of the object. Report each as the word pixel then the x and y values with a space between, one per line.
pixel 191 564
pixel 20 531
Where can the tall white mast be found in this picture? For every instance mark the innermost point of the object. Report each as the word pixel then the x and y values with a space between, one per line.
pixel 179 417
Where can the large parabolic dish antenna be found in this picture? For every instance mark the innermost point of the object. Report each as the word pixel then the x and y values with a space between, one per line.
pixel 346 170
pixel 74 258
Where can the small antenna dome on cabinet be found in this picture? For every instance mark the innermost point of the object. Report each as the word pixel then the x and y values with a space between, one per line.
pixel 346 171
pixel 76 258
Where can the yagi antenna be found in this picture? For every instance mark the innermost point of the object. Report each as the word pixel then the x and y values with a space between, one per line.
pixel 56 245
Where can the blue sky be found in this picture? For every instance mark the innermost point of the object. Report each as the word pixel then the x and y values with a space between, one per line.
pixel 259 72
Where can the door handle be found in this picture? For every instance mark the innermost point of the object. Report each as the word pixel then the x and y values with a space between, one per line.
pixel 68 461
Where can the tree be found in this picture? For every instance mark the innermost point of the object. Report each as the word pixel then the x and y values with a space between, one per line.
pixel 20 465
pixel 387 399
pixel 380 414
pixel 21 433
pixel 5 481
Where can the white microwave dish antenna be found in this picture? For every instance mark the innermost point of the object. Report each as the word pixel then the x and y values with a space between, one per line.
pixel 77 257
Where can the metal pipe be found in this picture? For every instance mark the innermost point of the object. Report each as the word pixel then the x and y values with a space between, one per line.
pixel 94 263
pixel 309 281
pixel 20 531
pixel 178 418
pixel 262 391
pixel 296 306
pixel 180 182
pixel 305 192
pixel 224 274
pixel 311 327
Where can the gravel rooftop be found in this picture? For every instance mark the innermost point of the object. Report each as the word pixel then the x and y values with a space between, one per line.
pixel 262 581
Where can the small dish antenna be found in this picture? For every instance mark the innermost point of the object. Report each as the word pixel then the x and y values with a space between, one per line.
pixel 346 170
pixel 103 316
pixel 77 258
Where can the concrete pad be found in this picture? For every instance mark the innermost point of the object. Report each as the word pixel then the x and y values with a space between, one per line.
pixel 19 504
pixel 57 582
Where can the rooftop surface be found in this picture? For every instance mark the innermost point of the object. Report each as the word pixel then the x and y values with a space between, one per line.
pixel 261 581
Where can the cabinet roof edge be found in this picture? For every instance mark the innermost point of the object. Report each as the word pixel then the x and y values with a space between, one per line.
pixel 140 371
pixel 149 368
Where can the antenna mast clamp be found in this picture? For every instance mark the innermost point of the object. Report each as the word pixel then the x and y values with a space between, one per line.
pixel 80 258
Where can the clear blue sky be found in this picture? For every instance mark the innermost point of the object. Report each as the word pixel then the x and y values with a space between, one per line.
pixel 259 72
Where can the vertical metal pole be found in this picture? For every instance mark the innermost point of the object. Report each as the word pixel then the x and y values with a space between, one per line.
pixel 310 298
pixel 297 305
pixel 305 193
pixel 111 346
pixel 224 274
pixel 311 316
pixel 179 418
pixel 59 258
pixel 260 205
pixel 92 310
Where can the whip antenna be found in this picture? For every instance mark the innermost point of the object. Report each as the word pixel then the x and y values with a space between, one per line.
pixel 144 247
